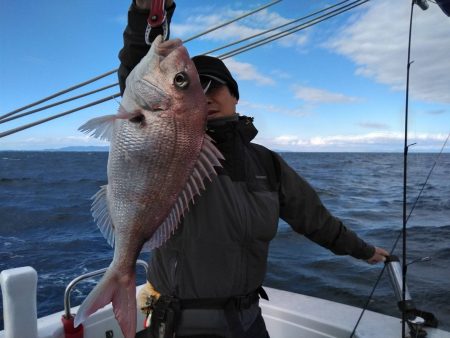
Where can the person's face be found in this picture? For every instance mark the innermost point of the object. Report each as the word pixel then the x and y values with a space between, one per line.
pixel 220 102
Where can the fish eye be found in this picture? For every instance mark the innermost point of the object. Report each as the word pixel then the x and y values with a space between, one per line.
pixel 181 80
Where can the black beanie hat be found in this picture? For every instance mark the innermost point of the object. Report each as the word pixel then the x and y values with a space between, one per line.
pixel 208 65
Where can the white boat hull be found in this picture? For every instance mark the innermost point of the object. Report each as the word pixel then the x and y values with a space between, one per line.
pixel 287 315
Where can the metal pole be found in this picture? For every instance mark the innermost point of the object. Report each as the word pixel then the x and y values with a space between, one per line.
pixel 76 280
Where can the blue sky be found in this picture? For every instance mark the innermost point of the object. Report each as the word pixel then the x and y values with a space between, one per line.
pixel 336 86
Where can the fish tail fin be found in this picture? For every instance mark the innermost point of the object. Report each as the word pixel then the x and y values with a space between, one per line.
pixel 121 291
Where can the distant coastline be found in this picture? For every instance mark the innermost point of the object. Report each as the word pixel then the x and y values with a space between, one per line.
pixel 80 149
pixel 106 149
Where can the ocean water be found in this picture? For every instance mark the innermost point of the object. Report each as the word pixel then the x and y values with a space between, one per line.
pixel 46 223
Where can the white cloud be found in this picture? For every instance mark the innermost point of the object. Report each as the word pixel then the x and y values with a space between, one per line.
pixel 376 40
pixel 246 71
pixel 374 141
pixel 373 125
pixel 281 74
pixel 120 19
pixel 248 108
pixel 436 112
pixel 310 94
pixel 294 40
pixel 182 31
pixel 201 20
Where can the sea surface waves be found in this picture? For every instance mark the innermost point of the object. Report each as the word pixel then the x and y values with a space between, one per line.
pixel 45 223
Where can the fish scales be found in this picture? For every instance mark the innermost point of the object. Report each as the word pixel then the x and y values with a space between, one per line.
pixel 159 156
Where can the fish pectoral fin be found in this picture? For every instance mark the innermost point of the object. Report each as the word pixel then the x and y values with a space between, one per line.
pixel 121 291
pixel 102 217
pixel 204 168
pixel 100 127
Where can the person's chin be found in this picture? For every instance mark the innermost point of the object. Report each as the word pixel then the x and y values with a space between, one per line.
pixel 213 116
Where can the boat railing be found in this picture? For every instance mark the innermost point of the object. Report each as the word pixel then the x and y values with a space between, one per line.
pixel 78 279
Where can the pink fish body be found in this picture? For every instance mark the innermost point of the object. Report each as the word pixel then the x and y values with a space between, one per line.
pixel 159 156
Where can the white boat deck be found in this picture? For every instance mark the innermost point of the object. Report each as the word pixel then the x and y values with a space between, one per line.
pixel 287 315
pixel 290 315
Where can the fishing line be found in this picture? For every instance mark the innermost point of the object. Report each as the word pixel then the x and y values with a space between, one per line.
pixel 423 186
pixel 400 233
pixel 423 5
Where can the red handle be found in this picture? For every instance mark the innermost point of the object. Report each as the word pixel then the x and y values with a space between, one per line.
pixel 69 330
pixel 157 13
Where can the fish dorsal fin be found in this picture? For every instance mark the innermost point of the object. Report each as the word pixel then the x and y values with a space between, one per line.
pixel 204 168
pixel 102 127
pixel 101 215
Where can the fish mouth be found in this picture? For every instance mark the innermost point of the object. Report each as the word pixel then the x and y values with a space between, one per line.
pixel 164 48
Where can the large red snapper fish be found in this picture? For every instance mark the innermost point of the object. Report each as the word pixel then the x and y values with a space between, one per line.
pixel 159 156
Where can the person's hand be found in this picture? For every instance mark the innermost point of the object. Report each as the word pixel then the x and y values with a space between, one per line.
pixel 379 256
pixel 147 4
pixel 144 295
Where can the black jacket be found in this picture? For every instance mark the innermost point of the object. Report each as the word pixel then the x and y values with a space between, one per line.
pixel 221 247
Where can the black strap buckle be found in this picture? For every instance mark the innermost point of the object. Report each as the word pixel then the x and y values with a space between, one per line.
pixel 243 302
pixel 165 317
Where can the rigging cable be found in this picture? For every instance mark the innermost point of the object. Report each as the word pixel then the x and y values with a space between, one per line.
pixel 273 29
pixel 235 52
pixel 115 70
pixel 292 30
pixel 231 21
pixel 4 118
pixel 58 93
pixel 29 125
pixel 57 103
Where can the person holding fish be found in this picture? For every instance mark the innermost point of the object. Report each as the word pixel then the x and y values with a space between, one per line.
pixel 206 203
